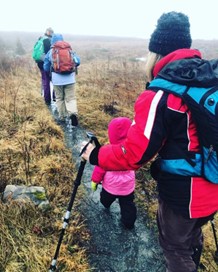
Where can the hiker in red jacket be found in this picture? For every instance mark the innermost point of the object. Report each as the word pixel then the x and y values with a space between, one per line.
pixel 163 126
pixel 117 184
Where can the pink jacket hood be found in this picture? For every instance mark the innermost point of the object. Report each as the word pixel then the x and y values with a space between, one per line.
pixel 118 129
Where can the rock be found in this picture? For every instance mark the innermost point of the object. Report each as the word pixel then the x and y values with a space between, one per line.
pixel 22 193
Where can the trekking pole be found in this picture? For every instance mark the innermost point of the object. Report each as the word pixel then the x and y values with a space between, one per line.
pixel 215 238
pixel 77 182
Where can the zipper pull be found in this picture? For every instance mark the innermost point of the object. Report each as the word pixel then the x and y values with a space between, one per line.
pixel 209 153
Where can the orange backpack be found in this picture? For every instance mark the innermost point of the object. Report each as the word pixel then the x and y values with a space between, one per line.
pixel 62 58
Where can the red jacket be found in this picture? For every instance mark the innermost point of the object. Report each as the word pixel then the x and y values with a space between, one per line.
pixel 163 126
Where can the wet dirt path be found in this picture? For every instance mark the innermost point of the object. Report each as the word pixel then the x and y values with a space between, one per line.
pixel 112 248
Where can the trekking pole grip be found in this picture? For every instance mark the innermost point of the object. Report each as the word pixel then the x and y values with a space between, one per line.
pixel 92 138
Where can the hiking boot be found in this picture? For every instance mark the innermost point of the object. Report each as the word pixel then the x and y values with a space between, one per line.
pixel 126 225
pixel 74 120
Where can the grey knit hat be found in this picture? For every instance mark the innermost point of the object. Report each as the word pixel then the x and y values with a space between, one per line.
pixel 49 31
pixel 172 32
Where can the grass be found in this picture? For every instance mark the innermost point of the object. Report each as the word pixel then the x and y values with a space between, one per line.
pixel 32 152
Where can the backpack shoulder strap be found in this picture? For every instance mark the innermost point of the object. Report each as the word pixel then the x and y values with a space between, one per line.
pixel 168 86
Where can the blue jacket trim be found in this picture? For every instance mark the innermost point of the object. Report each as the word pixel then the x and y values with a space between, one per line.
pixel 182 167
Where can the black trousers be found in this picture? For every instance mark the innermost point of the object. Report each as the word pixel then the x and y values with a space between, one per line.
pixel 180 238
pixel 127 206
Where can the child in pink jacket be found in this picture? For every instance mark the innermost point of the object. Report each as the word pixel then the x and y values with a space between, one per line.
pixel 117 184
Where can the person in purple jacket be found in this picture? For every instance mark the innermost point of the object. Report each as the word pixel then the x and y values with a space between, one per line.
pixel 117 184
pixel 48 94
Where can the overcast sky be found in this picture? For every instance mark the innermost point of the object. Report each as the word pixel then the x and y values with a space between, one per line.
pixel 130 18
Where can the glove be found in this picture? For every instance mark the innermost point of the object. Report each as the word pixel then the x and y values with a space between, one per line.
pixel 94 186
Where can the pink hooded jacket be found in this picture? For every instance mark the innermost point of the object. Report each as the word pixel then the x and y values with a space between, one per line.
pixel 116 182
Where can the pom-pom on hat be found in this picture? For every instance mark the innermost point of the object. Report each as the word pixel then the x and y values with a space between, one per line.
pixel 172 32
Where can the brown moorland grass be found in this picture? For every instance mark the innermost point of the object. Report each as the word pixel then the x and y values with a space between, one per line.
pixel 32 152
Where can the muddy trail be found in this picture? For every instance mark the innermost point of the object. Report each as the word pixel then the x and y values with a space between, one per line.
pixel 112 248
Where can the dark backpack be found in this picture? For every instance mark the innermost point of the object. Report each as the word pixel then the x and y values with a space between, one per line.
pixel 203 104
pixel 38 53
pixel 62 58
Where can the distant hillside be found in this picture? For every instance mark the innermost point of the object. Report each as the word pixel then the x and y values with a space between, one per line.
pixel 28 38
pixel 209 48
